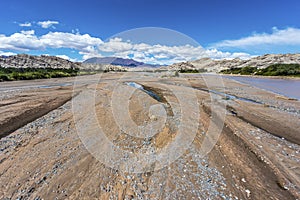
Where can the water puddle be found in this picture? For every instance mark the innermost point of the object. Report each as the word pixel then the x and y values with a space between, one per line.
pixel 233 97
pixel 228 96
pixel 46 86
pixel 65 84
pixel 147 91
pixel 57 85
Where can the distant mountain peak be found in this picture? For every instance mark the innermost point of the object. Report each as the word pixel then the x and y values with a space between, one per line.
pixel 114 61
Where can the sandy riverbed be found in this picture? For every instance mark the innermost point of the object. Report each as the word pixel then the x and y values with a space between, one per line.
pixel 50 146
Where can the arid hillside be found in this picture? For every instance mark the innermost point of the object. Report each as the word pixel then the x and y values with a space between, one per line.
pixel 217 65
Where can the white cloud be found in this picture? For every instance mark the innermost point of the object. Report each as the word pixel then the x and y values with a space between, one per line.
pixel 115 45
pixel 64 57
pixel 47 24
pixel 86 56
pixel 67 58
pixel 69 40
pixel 162 54
pixel 26 24
pixel 242 55
pixel 85 44
pixel 27 40
pixel 2 53
pixel 89 52
pixel 288 36
pixel 156 54
pixel 30 32
pixel 216 54
pixel 89 46
pixel 20 42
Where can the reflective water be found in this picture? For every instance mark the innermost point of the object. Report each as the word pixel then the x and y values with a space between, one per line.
pixel 286 87
pixel 140 87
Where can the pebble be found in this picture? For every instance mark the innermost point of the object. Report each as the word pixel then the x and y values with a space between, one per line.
pixel 153 118
pixel 248 192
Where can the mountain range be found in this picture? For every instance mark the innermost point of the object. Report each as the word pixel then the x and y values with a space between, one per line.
pixel 118 61
pixel 121 64
pixel 218 65
pixel 114 61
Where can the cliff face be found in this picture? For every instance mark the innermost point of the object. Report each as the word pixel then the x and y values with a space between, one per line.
pixel 217 65
pixel 26 61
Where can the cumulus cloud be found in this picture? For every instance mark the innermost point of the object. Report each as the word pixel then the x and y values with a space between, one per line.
pixel 156 54
pixel 30 32
pixel 26 24
pixel 67 58
pixel 27 40
pixel 288 36
pixel 23 41
pixel 115 45
pixel 163 54
pixel 69 40
pixel 217 55
pixel 89 52
pixel 88 46
pixel 2 53
pixel 63 56
pixel 47 24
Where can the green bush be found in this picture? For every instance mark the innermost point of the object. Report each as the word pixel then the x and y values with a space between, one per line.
pixel 9 74
pixel 272 70
pixel 59 74
pixel 5 77
pixel 192 70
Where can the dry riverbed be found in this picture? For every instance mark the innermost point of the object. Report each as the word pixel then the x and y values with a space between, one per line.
pixel 49 146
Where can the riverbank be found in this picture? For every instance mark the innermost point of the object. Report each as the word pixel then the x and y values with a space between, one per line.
pixel 279 69
pixel 260 76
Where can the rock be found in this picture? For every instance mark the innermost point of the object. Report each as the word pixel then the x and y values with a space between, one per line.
pixel 153 118
pixel 248 193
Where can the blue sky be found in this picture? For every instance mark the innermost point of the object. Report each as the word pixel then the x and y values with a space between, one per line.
pixel 83 29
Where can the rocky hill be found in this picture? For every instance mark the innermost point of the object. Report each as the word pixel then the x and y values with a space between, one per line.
pixel 25 61
pixel 217 65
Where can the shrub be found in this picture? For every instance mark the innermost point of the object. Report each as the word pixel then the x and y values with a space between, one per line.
pixel 192 70
pixel 10 73
pixel 4 77
pixel 272 70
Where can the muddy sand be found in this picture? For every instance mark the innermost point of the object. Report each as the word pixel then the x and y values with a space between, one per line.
pixel 147 136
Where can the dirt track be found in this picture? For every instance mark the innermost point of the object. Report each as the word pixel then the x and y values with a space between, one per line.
pixel 43 156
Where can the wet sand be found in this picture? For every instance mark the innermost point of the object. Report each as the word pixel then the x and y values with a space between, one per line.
pixel 43 155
